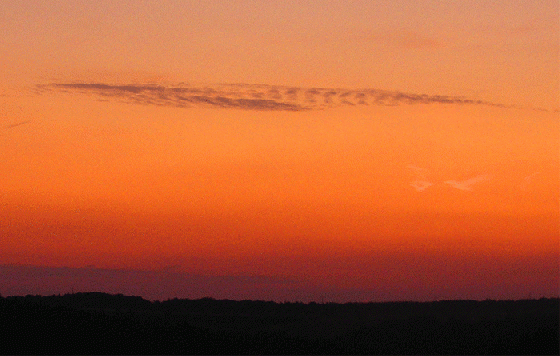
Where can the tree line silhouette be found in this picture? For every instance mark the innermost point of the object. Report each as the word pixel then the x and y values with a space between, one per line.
pixel 102 323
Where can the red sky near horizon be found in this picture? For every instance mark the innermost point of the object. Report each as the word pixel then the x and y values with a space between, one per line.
pixel 407 148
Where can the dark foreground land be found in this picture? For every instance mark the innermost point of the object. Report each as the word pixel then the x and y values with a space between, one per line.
pixel 98 323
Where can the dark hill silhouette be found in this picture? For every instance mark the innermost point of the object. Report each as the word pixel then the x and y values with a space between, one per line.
pixel 101 323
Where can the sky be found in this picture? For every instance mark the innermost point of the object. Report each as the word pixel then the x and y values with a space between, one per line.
pixel 310 150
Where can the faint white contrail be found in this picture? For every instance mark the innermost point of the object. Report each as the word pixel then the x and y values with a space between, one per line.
pixel 466 184
pixel 527 180
pixel 421 185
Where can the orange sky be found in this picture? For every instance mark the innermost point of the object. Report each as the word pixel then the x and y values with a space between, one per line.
pixel 403 147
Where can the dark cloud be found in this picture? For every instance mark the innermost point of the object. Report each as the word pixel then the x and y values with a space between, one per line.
pixel 255 97
pixel 328 96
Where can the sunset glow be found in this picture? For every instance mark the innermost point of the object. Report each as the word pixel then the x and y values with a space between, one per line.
pixel 348 150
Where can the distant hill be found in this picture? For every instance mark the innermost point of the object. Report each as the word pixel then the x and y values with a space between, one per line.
pixel 104 323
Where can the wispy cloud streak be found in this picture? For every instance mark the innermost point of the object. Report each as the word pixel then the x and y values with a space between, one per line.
pixel 467 184
pixel 421 183
pixel 254 96
pixel 11 126
pixel 528 180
